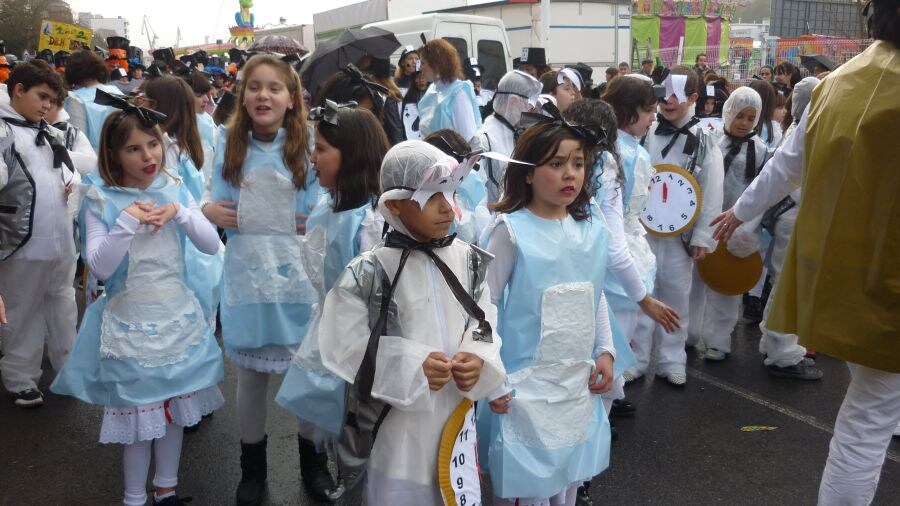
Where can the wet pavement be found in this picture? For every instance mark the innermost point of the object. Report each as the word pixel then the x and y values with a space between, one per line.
pixel 683 446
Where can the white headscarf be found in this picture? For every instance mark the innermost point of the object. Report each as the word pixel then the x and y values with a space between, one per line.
pixel 517 92
pixel 740 99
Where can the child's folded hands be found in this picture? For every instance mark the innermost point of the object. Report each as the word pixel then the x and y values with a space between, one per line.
pixel 437 367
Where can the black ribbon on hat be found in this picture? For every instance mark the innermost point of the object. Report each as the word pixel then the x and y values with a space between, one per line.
pixel 365 376
pixel 735 148
pixel 44 137
pixel 553 116
pixel 329 112
pixel 666 127
pixel 356 76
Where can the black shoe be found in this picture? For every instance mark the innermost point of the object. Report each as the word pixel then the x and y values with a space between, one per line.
pixel 252 488
pixel 582 498
pixel 172 500
pixel 753 309
pixel 622 408
pixel 314 472
pixel 613 431
pixel 30 398
pixel 796 371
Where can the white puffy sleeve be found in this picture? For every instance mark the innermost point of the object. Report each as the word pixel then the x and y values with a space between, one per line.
pixel 604 342
pixel 780 176
pixel 83 155
pixel 620 260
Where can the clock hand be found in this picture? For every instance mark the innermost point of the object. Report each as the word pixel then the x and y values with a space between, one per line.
pixel 665 193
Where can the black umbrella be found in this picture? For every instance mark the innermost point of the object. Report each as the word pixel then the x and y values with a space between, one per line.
pixel 810 61
pixel 334 54
pixel 377 42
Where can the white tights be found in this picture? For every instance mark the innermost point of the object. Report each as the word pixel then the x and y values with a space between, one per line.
pixel 136 465
pixel 565 498
pixel 252 400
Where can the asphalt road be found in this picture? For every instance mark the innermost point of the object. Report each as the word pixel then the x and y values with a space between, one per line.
pixel 684 446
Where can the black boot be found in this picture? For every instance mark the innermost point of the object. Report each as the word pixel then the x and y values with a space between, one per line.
pixel 252 487
pixel 317 479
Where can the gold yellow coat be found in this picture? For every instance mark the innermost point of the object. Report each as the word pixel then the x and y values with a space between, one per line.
pixel 840 285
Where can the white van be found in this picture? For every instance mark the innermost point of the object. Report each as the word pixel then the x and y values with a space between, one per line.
pixel 472 36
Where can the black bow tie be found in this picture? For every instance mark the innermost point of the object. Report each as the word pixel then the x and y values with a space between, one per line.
pixel 666 127
pixel 396 239
pixel 735 148
pixel 60 153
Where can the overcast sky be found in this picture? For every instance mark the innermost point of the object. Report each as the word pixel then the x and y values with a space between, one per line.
pixel 199 18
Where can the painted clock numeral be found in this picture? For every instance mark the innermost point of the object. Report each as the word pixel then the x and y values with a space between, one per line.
pixel 671 209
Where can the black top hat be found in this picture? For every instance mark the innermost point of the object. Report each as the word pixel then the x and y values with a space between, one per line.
pixel 536 56
pixel 380 67
pixel 116 42
pixel 237 56
pixel 187 59
pixel 473 69
pixel 180 69
pixel 117 73
pixel 517 62
pixel 61 57
pixel 165 55
pixel 135 52
pixel 47 56
pixel 585 71
pixel 201 57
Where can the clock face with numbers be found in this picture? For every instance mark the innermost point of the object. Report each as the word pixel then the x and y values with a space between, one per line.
pixel 458 458
pixel 674 202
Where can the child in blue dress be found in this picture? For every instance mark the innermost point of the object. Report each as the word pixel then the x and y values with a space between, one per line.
pixel 144 350
pixel 185 156
pixel 349 147
pixel 546 432
pixel 262 191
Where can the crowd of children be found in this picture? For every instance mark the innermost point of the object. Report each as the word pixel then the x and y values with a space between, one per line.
pixel 393 281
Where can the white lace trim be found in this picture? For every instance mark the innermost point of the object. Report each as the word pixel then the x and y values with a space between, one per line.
pixel 268 359
pixel 143 423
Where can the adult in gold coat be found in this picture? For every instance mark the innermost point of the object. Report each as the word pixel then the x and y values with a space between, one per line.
pixel 840 285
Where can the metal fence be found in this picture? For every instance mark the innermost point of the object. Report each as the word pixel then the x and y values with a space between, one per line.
pixel 740 61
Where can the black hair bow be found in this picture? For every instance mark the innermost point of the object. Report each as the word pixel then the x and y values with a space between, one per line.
pixel 329 112
pixel 553 116
pixel 148 117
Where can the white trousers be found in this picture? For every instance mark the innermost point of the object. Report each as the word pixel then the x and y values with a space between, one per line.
pixel 712 315
pixel 40 306
pixel 781 350
pixel 674 269
pixel 638 329
pixel 862 432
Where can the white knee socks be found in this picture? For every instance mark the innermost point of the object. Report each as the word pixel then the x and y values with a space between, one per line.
pixel 136 465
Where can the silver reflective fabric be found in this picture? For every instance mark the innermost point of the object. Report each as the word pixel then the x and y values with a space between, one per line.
pixel 16 198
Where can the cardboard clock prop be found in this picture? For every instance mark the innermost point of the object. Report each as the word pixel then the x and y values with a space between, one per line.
pixel 674 203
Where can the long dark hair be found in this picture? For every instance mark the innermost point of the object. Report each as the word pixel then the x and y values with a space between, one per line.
pixel 363 144
pixel 175 98
pixel 295 152
pixel 767 93
pixel 600 117
pixel 538 145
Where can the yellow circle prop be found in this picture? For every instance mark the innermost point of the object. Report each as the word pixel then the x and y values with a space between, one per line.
pixel 728 274
pixel 458 459
pixel 674 201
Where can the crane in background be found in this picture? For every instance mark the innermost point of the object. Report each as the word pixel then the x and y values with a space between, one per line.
pixel 147 29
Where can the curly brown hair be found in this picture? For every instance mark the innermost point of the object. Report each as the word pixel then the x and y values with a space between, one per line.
pixel 443 58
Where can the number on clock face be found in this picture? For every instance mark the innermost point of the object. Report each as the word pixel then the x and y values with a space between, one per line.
pixel 673 203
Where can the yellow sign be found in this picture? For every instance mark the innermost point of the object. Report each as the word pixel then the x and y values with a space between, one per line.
pixel 57 36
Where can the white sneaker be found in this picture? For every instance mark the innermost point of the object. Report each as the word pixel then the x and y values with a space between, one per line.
pixel 714 354
pixel 631 374
pixel 677 378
